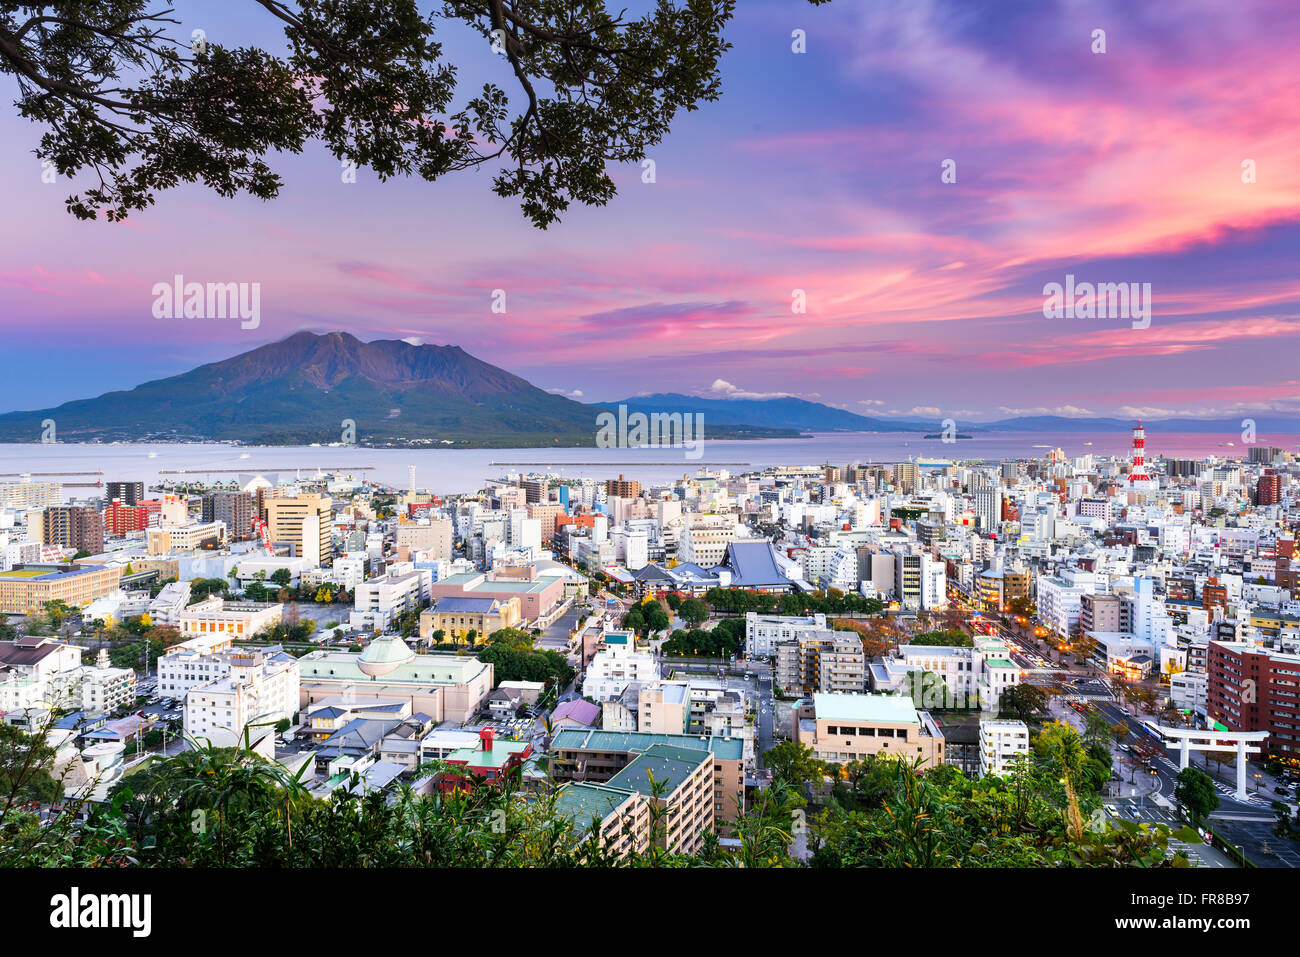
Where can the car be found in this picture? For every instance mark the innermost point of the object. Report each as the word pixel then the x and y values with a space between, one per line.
pixel 1282 789
pixel 1125 747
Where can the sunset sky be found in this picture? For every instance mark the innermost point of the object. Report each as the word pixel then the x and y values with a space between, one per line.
pixel 817 171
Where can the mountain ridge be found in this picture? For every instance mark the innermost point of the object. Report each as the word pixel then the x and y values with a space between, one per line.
pixel 306 387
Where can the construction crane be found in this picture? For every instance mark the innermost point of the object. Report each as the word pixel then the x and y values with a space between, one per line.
pixel 259 526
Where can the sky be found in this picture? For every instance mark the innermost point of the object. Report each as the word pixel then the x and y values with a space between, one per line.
pixel 817 175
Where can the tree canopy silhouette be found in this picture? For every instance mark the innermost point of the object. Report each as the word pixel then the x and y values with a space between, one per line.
pixel 144 101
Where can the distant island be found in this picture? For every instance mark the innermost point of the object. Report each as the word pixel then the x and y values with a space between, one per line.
pixel 940 435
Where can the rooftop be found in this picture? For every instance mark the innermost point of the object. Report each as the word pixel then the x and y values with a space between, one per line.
pixel 882 708
pixel 583 802
pixel 664 764
pixel 577 739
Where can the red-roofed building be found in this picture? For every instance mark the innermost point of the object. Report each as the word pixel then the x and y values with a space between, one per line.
pixel 492 760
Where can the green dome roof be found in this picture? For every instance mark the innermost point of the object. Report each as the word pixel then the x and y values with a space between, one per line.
pixel 383 655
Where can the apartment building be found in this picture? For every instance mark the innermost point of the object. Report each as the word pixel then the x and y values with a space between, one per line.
pixel 664 707
pixel 1190 691
pixel 617 818
pixel 379 603
pixel 578 754
pixel 617 665
pixel 38 671
pixel 916 579
pixel 128 493
pixel 1100 613
pixel 1252 688
pixel 168 605
pixel 958 666
pixel 434 535
pixel 257 689
pixel 822 661
pixel 192 663
pixel 849 727
pixel 678 782
pixel 764 632
pixel 121 519
pixel 235 510
pixel 622 488
pixel 1002 743
pixel 1060 599
pixel 71 526
pixel 104 688
pixel 29 495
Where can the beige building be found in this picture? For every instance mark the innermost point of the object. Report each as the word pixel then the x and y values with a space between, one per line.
pixel 677 783
pixel 304 522
pixel 457 616
pixel 24 589
pixel 445 687
pixel 216 616
pixel 433 536
pixel 24 495
pixel 580 754
pixel 186 538
pixel 850 727
pixel 664 707
pixel 705 539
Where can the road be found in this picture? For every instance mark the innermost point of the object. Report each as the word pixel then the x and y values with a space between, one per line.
pixel 1201 855
pixel 556 637
pixel 764 718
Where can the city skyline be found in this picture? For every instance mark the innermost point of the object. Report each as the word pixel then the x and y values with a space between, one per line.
pixel 817 171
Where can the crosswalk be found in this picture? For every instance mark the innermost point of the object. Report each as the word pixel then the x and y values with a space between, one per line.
pixel 1219 786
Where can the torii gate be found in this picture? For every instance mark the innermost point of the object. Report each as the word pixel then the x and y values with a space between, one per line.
pixel 1215 741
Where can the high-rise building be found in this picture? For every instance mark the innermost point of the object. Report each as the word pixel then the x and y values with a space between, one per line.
pixel 73 526
pixel 535 491
pixel 622 488
pixel 988 506
pixel 1264 453
pixel 128 493
pixel 304 523
pixel 233 508
pixel 1254 689
pixel 1268 490
pixel 122 519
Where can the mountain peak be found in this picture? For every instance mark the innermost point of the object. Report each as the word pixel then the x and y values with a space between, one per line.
pixel 303 386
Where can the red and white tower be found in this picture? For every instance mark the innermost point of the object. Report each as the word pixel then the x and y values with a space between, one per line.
pixel 1137 476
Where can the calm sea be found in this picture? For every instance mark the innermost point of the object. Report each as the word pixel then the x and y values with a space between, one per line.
pixel 449 471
